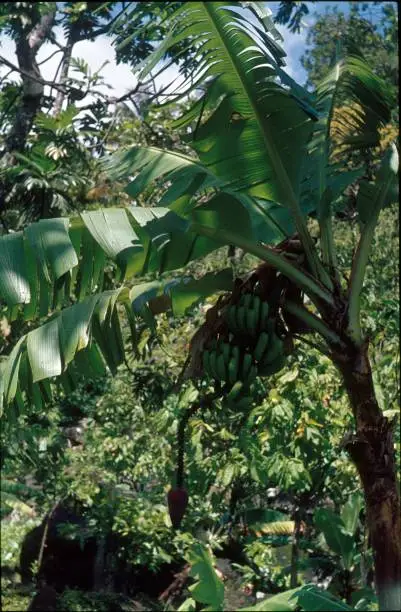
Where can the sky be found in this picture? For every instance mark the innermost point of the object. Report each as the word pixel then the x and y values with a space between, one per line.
pixel 121 77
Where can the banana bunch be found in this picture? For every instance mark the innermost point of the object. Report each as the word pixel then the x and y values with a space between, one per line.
pixel 224 361
pixel 248 317
pixel 269 352
pixel 238 396
pixel 252 347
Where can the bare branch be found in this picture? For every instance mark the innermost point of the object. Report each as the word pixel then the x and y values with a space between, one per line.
pixel 27 74
pixel 50 56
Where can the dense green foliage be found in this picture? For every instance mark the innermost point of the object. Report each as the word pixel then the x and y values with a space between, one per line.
pixel 301 420
pixel 368 27
pixel 275 505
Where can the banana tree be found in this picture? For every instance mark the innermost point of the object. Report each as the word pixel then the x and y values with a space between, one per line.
pixel 262 162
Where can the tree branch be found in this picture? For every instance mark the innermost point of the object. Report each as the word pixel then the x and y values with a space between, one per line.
pixel 25 73
pixel 40 31
pixel 50 56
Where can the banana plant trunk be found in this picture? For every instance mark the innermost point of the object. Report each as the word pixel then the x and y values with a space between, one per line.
pixel 372 451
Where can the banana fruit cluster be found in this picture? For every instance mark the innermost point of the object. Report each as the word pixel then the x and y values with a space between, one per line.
pixel 269 352
pixel 225 362
pixel 252 347
pixel 248 317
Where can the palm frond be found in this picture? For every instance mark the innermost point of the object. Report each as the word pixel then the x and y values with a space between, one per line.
pixel 256 130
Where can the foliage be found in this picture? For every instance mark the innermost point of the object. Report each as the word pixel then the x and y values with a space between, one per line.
pixel 208 589
pixel 75 601
pixel 92 295
pixel 291 14
pixel 131 407
pixel 12 534
pixel 373 28
pixel 377 38
pixel 12 600
pixel 57 170
pixel 307 392
pixel 12 496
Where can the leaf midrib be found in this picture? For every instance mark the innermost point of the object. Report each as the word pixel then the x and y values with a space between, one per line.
pixel 273 154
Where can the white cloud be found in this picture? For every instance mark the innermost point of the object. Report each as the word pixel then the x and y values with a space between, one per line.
pixel 294 45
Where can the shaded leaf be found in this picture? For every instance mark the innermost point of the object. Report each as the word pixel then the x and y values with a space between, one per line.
pixel 208 589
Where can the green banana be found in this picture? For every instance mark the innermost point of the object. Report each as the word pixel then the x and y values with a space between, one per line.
pixel 206 362
pixel 261 346
pixel 248 300
pixel 264 315
pixel 241 322
pixel 252 374
pixel 235 391
pixel 274 349
pixel 226 349
pixel 246 365
pixel 233 370
pixel 271 368
pixel 231 318
pixel 213 364
pixel 251 321
pixel 235 352
pixel 221 367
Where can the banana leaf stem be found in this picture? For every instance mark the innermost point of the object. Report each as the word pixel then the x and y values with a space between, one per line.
pixel 319 347
pixel 327 244
pixel 303 280
pixel 312 321
pixel 311 253
pixel 358 271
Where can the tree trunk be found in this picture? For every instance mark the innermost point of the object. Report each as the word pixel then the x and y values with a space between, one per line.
pixel 72 39
pixel 27 47
pixel 372 451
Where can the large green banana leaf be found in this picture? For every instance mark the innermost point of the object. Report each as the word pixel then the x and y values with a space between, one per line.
pixel 56 268
pixel 365 107
pixel 265 135
pixel 87 336
pixel 55 260
pixel 259 125
pixel 257 129
pixel 306 598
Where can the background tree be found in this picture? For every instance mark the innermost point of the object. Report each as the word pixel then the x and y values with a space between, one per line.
pixel 372 27
pixel 30 25
pixel 376 34
pixel 291 13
